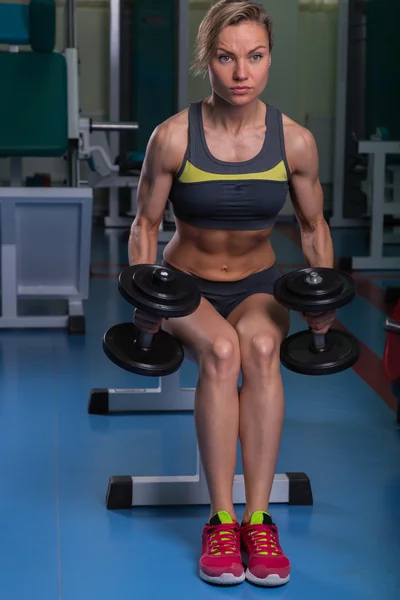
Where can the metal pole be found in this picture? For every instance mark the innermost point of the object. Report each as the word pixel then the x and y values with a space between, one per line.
pixel 72 42
pixel 392 326
pixel 115 36
pixel 108 126
pixel 341 104
pixel 183 55
pixel 71 24
pixel 114 98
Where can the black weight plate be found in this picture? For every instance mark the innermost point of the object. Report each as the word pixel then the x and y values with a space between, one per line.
pixel 172 296
pixel 297 353
pixel 331 284
pixel 290 290
pixel 121 346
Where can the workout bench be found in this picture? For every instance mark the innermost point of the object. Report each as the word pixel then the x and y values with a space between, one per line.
pixel 127 491
pixel 166 294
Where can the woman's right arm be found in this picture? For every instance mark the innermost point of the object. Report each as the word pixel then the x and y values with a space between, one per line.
pixel 155 182
pixel 162 160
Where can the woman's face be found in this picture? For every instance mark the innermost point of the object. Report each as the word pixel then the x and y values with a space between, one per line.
pixel 239 70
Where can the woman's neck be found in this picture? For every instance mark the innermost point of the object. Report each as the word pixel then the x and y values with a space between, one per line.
pixel 234 118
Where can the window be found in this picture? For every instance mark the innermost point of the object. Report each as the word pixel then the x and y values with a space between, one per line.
pixel 318 5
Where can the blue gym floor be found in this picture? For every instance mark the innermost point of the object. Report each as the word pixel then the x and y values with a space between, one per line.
pixel 58 541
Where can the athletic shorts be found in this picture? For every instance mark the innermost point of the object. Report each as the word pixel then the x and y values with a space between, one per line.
pixel 225 296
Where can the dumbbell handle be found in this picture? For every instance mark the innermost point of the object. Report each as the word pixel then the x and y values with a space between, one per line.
pixel 319 341
pixel 145 340
pixel 392 326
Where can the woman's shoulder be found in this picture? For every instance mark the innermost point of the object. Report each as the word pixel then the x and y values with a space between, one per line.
pixel 168 142
pixel 176 124
pixel 173 132
pixel 297 137
pixel 300 145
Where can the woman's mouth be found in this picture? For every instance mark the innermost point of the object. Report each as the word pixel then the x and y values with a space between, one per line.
pixel 240 90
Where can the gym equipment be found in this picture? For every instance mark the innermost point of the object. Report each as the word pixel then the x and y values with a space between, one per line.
pixel 367 127
pixel 392 294
pixel 384 203
pixel 45 254
pixel 162 293
pixel 125 492
pixel 137 74
pixel 95 149
pixel 129 348
pixel 317 291
pixel 147 286
pixel 391 354
pixel 392 326
pixel 166 396
pixel 45 231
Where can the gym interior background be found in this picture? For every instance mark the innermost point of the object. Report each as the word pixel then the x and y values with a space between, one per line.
pixel 69 418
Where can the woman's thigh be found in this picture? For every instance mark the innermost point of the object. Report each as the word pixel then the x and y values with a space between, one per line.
pixel 261 324
pixel 201 331
pixel 261 310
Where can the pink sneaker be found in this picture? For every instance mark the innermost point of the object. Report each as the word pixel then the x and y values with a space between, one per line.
pixel 221 560
pixel 266 562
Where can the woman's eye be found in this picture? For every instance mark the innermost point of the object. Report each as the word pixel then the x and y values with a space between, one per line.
pixel 256 57
pixel 224 58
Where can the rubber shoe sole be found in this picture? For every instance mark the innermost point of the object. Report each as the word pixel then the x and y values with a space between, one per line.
pixel 272 580
pixel 224 579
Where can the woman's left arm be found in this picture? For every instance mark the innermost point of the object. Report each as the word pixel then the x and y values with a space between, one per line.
pixel 308 203
pixel 307 199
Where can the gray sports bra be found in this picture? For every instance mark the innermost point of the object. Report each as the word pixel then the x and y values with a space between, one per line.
pixel 215 194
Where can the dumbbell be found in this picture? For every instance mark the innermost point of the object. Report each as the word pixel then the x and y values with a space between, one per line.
pixel 317 291
pixel 160 292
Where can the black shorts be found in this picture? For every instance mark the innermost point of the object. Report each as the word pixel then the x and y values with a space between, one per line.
pixel 226 296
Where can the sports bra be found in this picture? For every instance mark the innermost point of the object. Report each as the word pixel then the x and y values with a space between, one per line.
pixel 214 194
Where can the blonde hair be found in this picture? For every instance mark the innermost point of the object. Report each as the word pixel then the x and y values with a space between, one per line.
pixel 223 14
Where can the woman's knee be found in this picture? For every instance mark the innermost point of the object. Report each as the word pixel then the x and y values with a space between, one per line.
pixel 260 351
pixel 220 357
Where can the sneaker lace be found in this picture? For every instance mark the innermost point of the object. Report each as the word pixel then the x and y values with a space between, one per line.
pixel 265 540
pixel 222 540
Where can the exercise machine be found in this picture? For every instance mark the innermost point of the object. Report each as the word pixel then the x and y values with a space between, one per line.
pixel 366 186
pixel 141 74
pixel 382 204
pixel 45 229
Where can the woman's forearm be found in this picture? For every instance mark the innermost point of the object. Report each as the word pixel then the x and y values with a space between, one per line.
pixel 143 244
pixel 317 246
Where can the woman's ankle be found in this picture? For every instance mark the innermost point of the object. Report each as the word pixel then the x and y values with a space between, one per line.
pixel 249 512
pixel 218 509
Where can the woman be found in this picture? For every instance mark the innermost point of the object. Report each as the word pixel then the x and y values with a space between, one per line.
pixel 227 164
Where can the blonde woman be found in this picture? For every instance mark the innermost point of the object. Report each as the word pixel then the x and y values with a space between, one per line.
pixel 226 164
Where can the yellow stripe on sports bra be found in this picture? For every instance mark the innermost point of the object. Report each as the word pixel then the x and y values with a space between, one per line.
pixel 192 174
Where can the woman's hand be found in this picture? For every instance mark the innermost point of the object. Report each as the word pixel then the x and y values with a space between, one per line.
pixel 320 323
pixel 147 323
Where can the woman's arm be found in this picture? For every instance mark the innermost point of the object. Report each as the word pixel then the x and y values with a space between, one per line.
pixel 155 182
pixel 307 199
pixel 308 203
